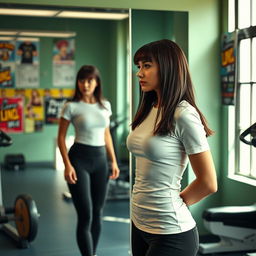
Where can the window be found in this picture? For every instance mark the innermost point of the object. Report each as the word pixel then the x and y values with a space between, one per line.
pixel 242 18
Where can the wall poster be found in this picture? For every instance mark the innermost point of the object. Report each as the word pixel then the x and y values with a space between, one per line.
pixel 7 62
pixel 27 62
pixel 228 68
pixel 11 115
pixel 54 99
pixel 63 62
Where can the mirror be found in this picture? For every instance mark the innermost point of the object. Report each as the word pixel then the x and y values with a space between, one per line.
pixel 99 42
pixel 152 25
pixel 103 43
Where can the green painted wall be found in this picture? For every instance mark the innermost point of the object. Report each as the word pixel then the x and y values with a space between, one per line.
pixel 148 26
pixel 98 42
pixel 204 26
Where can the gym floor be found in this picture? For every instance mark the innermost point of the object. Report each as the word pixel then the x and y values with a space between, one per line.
pixel 56 230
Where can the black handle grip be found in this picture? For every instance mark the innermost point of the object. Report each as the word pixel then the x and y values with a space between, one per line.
pixel 5 140
pixel 252 131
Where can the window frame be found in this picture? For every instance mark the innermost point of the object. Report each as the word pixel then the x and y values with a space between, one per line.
pixel 234 112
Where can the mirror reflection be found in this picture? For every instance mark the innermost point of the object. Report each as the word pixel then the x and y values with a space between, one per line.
pixel 43 70
pixel 104 44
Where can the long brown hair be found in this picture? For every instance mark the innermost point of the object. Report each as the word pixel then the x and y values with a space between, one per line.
pixel 87 72
pixel 175 85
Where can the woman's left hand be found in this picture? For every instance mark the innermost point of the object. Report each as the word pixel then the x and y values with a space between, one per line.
pixel 115 171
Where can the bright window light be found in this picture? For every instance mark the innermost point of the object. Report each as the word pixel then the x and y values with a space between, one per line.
pixel 93 15
pixel 254 13
pixel 241 157
pixel 254 59
pixel 244 17
pixel 231 15
pixel 253 121
pixel 28 12
pixel 245 61
pixel 245 122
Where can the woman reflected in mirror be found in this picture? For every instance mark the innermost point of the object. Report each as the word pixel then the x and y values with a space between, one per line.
pixel 86 163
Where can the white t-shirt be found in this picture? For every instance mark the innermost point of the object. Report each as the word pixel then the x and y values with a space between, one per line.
pixel 157 207
pixel 89 120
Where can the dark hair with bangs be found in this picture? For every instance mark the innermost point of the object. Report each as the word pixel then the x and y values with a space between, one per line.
pixel 175 83
pixel 88 72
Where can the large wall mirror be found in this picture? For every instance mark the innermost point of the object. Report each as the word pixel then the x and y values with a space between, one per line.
pixel 105 43
pixel 152 25
pixel 99 41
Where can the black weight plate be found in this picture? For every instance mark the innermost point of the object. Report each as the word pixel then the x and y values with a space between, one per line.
pixel 26 216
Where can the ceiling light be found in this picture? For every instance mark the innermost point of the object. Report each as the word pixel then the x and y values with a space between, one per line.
pixel 61 34
pixel 7 33
pixel 26 38
pixel 5 38
pixel 93 15
pixel 28 12
pixel 47 34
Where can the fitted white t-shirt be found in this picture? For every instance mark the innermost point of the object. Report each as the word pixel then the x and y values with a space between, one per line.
pixel 89 120
pixel 157 207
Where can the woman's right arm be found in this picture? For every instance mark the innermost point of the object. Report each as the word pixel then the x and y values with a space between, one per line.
pixel 70 174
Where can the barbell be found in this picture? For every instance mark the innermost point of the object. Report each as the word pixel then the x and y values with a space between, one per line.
pixel 25 216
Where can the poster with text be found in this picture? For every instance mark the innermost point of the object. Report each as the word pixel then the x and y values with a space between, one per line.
pixel 7 62
pixel 54 99
pixel 27 62
pixel 63 61
pixel 11 114
pixel 228 68
pixel 34 110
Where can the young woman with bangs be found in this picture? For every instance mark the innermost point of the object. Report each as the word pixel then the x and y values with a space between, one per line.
pixel 168 131
pixel 86 163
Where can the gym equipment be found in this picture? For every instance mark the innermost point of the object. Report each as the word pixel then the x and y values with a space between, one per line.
pixel 24 212
pixel 250 131
pixel 14 162
pixel 236 226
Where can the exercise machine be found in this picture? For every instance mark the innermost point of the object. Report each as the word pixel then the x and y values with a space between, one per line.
pixel 235 226
pixel 24 212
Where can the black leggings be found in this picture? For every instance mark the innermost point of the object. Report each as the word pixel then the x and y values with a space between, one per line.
pixel 181 244
pixel 89 193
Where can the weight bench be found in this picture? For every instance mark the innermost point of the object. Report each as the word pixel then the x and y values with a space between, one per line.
pixel 236 227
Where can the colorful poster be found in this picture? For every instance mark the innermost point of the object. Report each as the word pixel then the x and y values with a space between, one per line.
pixel 7 62
pixel 54 99
pixel 228 68
pixel 34 110
pixel 11 115
pixel 63 62
pixel 27 62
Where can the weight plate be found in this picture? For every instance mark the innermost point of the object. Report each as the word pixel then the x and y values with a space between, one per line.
pixel 26 217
